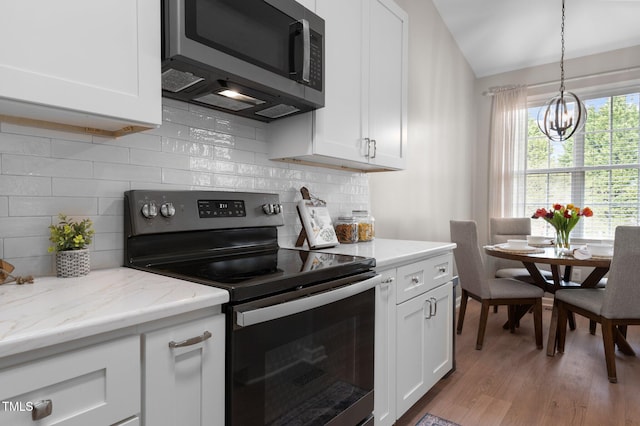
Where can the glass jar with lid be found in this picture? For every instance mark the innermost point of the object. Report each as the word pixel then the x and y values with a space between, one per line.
pixel 366 225
pixel 347 229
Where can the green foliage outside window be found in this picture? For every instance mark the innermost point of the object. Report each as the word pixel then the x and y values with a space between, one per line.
pixel 598 167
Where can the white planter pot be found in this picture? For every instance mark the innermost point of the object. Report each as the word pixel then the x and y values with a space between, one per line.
pixel 73 263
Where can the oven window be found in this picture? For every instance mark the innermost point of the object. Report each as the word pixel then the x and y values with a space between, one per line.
pixel 306 368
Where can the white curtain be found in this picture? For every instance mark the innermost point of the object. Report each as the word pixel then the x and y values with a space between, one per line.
pixel 508 138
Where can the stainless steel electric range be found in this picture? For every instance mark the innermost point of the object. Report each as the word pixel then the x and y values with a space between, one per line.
pixel 300 323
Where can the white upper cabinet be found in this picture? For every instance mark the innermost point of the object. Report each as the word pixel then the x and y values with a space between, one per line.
pixel 363 125
pixel 81 65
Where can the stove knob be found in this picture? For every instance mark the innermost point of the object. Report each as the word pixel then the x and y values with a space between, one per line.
pixel 277 208
pixel 150 210
pixel 267 208
pixel 167 210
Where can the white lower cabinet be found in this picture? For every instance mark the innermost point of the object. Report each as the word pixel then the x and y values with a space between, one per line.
pixel 424 343
pixel 184 374
pixel 414 333
pixel 94 385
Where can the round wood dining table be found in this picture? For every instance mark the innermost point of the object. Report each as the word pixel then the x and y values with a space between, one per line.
pixel 548 256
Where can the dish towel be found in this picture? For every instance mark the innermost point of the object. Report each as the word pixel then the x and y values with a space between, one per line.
pixel 582 253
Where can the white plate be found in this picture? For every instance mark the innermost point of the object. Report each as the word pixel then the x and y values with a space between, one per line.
pixel 506 246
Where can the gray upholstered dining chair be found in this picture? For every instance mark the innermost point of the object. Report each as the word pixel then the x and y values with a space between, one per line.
pixel 502 229
pixel 489 291
pixel 616 306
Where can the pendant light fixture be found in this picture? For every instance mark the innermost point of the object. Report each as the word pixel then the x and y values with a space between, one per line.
pixel 564 114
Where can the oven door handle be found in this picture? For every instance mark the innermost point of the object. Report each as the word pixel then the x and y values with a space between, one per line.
pixel 268 313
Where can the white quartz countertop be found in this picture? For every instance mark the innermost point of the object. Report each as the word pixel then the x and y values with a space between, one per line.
pixel 56 310
pixel 389 253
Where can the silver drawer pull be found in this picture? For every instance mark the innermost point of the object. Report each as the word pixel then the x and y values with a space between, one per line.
pixel 41 409
pixel 442 269
pixel 388 280
pixel 206 335
pixel 415 280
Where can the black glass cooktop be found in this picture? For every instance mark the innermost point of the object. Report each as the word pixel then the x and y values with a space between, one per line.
pixel 258 274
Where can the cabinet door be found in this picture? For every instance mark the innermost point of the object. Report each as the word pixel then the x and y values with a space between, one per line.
pixel 185 384
pixel 338 127
pixel 95 385
pixel 385 350
pixel 387 91
pixel 77 57
pixel 424 344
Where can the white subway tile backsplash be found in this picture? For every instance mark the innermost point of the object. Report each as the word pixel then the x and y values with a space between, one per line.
pixel 187 178
pixel 45 166
pixel 89 151
pixel 25 185
pixel 67 187
pixel 24 144
pixel 144 140
pixel 112 171
pixel 52 206
pixel 43 173
pixel 107 241
pixel 111 206
pixel 24 226
pixel 159 159
pixel 26 246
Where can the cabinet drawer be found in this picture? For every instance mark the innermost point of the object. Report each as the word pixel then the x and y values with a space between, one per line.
pixel 95 385
pixel 418 277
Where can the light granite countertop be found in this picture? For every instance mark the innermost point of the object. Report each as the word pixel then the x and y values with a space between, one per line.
pixel 388 252
pixel 56 310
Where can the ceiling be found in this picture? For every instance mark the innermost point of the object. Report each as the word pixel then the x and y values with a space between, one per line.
pixel 496 36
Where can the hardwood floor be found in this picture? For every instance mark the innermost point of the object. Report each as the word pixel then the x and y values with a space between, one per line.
pixel 510 382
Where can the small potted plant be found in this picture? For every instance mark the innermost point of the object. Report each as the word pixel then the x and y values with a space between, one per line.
pixel 70 240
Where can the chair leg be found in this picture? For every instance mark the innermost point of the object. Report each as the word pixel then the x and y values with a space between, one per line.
pixel 562 325
pixel 609 349
pixel 592 327
pixel 572 320
pixel 537 322
pixel 482 326
pixel 511 313
pixel 495 309
pixel 463 309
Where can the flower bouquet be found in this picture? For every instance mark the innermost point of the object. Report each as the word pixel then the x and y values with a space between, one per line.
pixel 563 219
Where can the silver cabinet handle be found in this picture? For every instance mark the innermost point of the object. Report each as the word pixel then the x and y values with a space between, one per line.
pixel 192 341
pixel 375 148
pixel 435 306
pixel 427 312
pixel 387 281
pixel 368 142
pixel 41 409
pixel 415 280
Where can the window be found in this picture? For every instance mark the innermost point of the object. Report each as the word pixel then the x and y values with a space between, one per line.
pixel 598 167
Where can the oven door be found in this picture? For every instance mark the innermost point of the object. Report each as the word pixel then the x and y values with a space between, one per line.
pixel 303 358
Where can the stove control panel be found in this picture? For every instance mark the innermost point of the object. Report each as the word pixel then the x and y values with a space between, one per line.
pixel 155 212
pixel 221 208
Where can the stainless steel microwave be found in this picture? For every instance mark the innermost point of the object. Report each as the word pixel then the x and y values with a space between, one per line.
pixel 261 59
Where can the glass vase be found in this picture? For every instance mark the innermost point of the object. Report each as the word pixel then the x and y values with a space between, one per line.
pixel 562 242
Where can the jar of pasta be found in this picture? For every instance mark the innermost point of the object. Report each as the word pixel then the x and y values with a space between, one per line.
pixel 347 229
pixel 366 229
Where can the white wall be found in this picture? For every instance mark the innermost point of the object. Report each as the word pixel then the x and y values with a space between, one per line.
pixel 43 173
pixel 418 203
pixel 615 69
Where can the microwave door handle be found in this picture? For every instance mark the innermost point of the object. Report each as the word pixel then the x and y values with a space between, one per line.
pixel 268 313
pixel 306 54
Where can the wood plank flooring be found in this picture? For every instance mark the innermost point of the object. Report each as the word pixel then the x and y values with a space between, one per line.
pixel 510 382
